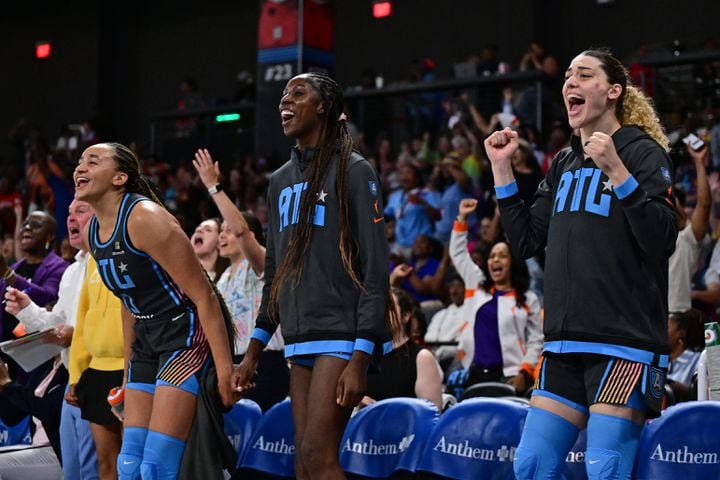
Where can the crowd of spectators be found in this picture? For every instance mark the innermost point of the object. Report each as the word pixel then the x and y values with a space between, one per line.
pixel 465 295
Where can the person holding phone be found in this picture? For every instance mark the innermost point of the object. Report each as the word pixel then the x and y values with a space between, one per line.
pixel 605 214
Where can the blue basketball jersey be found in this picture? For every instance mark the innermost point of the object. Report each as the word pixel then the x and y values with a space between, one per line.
pixel 132 275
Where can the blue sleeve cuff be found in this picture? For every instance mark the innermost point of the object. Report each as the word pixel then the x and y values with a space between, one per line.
pixel 261 335
pixel 364 346
pixel 505 191
pixel 626 188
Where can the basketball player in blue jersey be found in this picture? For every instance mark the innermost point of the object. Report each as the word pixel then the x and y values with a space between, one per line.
pixel 326 272
pixel 173 322
pixel 606 215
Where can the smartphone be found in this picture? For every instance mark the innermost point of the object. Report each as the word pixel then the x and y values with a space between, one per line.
pixel 694 142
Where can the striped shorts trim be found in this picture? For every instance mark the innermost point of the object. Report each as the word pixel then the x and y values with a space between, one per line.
pixel 620 380
pixel 583 379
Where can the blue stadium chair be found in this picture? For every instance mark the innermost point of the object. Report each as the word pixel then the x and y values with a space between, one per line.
pixel 575 459
pixel 18 434
pixel 476 438
pixel 271 449
pixel 240 424
pixel 387 436
pixel 682 444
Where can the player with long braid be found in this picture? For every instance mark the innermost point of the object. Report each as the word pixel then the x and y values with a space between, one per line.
pixel 326 272
pixel 173 322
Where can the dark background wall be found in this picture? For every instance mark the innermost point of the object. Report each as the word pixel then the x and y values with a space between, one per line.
pixel 55 91
pixel 127 61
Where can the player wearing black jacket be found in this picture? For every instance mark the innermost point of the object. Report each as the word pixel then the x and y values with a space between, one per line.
pixel 325 312
pixel 605 215
pixel 326 272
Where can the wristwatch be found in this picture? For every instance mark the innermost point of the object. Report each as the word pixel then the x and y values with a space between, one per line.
pixel 215 189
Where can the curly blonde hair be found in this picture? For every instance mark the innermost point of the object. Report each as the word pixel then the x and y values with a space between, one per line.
pixel 637 109
pixel 633 107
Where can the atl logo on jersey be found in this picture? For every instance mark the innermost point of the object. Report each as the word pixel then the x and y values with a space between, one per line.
pixel 289 206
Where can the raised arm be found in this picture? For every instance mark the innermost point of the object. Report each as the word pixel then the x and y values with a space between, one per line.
pixel 471 274
pixel 701 215
pixel 526 227
pixel 209 172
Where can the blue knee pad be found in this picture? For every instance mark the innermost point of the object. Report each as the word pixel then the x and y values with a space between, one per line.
pixel 611 447
pixel 162 457
pixel 131 453
pixel 545 441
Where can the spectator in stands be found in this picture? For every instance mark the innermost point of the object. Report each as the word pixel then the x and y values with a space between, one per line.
pixel 38 272
pixel 205 244
pixel 422 277
pixel 707 299
pixel 692 231
pixel 526 170
pixel 502 340
pixel 471 164
pixel 76 442
pixel 446 325
pixel 489 61
pixel 409 370
pixel 190 99
pixel 37 172
pixel 605 214
pixel 455 184
pixel 8 249
pixel 686 332
pixel 414 206
pixel 639 73
pixel 10 198
pixel 558 140
pixel 715 144
pixel 538 58
pixel 241 284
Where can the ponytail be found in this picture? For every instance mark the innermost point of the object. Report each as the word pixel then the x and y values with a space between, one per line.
pixel 637 109
pixel 137 182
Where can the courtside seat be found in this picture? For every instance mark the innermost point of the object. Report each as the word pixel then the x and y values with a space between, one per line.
pixel 387 436
pixel 684 443
pixel 240 424
pixel 271 449
pixel 575 459
pixel 488 389
pixel 477 438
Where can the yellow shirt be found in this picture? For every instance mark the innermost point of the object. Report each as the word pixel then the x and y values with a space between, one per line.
pixel 98 337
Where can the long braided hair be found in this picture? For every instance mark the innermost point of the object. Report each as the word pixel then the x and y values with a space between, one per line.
pixel 128 163
pixel 334 137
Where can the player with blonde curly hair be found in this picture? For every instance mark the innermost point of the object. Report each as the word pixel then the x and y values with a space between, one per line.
pixel 605 214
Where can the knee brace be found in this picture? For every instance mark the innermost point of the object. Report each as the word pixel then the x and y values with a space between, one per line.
pixel 611 447
pixel 545 441
pixel 131 453
pixel 162 457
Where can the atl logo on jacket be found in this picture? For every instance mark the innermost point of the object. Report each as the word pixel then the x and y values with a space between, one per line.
pixel 289 206
pixel 582 190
